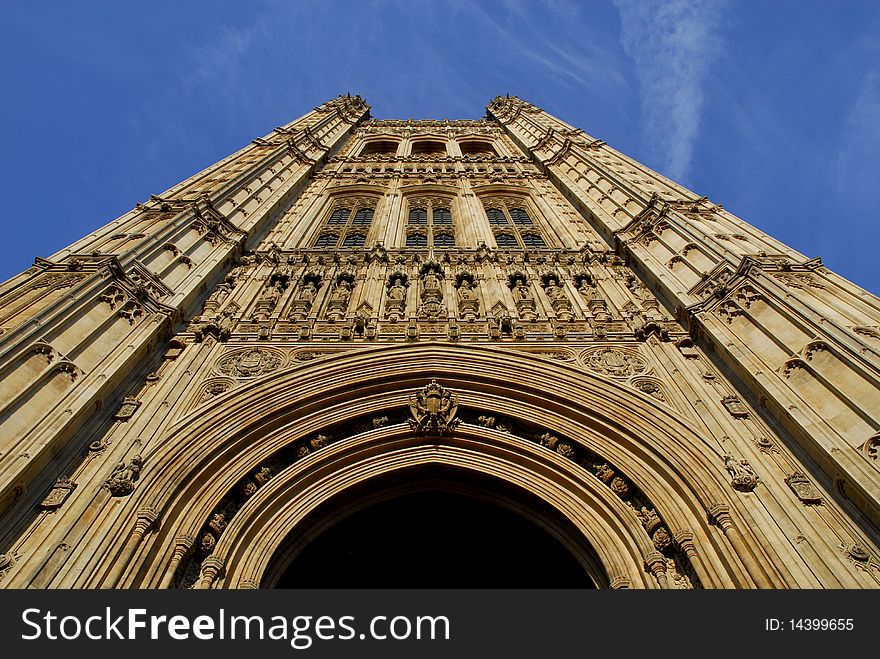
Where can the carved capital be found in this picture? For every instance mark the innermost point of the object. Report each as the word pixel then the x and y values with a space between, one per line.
pixel 212 568
pixel 655 563
pixel 147 520
pixel 719 514
pixel 620 583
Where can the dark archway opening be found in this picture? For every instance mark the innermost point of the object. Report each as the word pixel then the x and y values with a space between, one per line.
pixel 434 539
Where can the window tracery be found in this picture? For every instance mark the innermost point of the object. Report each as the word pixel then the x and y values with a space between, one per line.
pixel 347 224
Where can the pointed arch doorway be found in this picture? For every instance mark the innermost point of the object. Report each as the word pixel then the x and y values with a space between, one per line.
pixel 435 528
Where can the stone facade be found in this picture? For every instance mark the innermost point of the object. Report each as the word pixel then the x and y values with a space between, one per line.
pixel 347 298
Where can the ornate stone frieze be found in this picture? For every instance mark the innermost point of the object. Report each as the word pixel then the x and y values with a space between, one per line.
pixel 250 363
pixel 616 362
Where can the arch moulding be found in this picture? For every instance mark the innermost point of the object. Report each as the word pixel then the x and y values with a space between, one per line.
pixel 213 449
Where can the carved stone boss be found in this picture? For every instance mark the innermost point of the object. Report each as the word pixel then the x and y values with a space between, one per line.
pixel 433 410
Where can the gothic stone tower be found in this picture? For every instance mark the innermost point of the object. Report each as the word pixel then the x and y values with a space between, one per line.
pixel 347 310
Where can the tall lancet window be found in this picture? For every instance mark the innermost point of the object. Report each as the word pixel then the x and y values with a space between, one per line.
pixel 428 225
pixel 346 227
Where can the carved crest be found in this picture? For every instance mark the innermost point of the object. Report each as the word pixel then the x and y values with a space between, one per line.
pixel 803 488
pixel 433 410
pixel 249 363
pixel 614 362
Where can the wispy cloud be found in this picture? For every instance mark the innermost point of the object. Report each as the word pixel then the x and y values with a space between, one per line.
pixel 859 153
pixel 673 44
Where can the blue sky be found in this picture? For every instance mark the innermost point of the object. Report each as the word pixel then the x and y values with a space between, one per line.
pixel 771 108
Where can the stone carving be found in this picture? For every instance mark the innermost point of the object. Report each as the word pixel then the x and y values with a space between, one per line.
pixel 249 363
pixel 113 297
pixel 523 298
pixel 798 280
pixel 122 479
pixel 686 347
pixel 604 473
pixel 127 409
pixel 395 305
pixel 736 407
pixel 619 486
pixel 856 552
pixel 432 294
pixel 742 476
pixel 613 361
pixel 649 519
pixel 661 539
pixel 131 311
pixel 649 387
pixel 214 388
pixel 269 300
pixel 58 494
pixel 216 299
pixel 558 300
pixel 871 332
pixel 871 447
pixel 305 297
pixel 433 410
pixel 337 306
pixel 803 488
pixel 563 448
pixel 468 304
pixel 595 302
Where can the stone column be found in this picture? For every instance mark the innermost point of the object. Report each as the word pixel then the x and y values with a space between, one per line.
pixel 146 521
pixel 719 514
pixel 685 542
pixel 212 568
pixel 182 545
pixel 655 563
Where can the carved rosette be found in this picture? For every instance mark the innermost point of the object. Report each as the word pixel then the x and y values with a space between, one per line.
pixel 214 387
pixel 250 363
pixel 433 410
pixel 616 362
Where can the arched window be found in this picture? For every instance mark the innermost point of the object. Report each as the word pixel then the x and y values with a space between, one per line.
pixel 506 240
pixel 380 147
pixel 327 240
pixel 428 148
pixel 520 217
pixel 346 225
pixel 418 217
pixel 523 232
pixel 417 240
pixel 477 148
pixel 444 240
pixel 339 216
pixel 496 217
pixel 363 217
pixel 442 216
pixel 354 240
